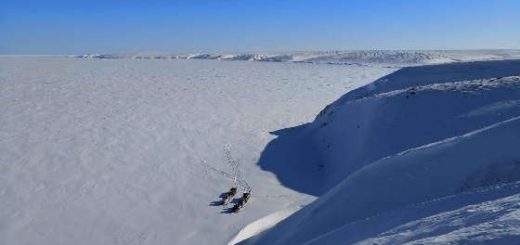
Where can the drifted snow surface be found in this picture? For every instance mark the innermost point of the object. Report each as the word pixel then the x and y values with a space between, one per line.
pixel 126 151
pixel 424 155
pixel 262 224
pixel 486 216
pixel 98 151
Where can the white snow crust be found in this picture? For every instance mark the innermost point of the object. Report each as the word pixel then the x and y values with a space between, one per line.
pixel 121 151
pixel 338 147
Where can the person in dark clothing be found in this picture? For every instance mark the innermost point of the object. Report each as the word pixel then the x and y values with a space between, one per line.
pixel 246 196
pixel 232 192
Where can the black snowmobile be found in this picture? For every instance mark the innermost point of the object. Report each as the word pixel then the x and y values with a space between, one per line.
pixel 241 203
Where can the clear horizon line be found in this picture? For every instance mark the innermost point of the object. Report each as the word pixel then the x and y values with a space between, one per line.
pixel 260 51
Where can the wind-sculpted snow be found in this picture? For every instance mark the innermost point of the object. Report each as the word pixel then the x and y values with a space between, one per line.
pixel 385 57
pixel 472 86
pixel 487 215
pixel 463 163
pixel 388 57
pixel 416 135
pixel 412 107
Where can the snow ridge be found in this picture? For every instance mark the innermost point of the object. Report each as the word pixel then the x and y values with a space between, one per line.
pixel 357 57
pixel 461 86
pixel 413 137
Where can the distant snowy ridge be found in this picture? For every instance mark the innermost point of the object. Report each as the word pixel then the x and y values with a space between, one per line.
pixel 389 57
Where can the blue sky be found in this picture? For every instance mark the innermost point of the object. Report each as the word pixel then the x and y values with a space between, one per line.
pixel 76 27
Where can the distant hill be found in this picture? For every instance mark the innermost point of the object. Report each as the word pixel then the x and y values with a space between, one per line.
pixel 389 57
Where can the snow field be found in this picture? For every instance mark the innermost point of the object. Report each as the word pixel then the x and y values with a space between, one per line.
pixel 132 151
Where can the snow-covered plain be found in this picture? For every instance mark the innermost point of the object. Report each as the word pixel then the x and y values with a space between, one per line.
pixel 130 149
pixel 122 151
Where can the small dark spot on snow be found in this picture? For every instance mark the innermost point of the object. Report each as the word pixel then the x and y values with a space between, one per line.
pixel 324 124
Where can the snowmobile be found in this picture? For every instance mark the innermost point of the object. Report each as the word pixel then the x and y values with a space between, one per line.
pixel 236 208
pixel 241 203
pixel 228 195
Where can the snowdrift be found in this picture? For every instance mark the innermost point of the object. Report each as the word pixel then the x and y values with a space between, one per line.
pixel 486 215
pixel 358 57
pixel 414 136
